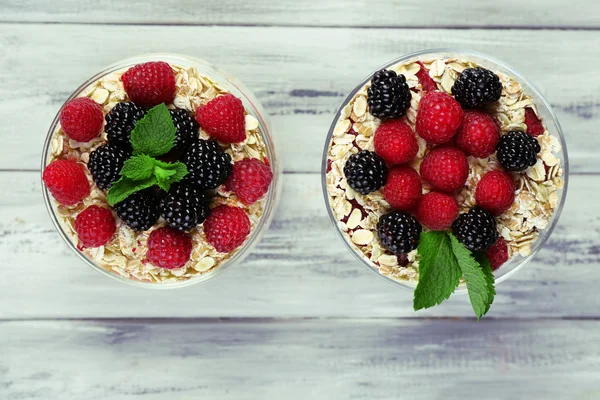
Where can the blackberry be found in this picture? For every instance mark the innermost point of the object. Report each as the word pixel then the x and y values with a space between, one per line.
pixel 476 87
pixel 476 229
pixel 105 164
pixel 120 121
pixel 399 232
pixel 389 95
pixel 187 128
pixel 208 165
pixel 184 207
pixel 366 172
pixel 139 211
pixel 517 151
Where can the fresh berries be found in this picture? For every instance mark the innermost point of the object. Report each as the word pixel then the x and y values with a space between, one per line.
pixel 476 87
pixel 184 206
pixel 82 119
pixel 399 232
pixel 365 172
pixel 187 128
pixel 226 228
pixel 168 248
pixel 534 126
pixel 208 165
pixel 497 254
pixel 403 189
pixel 438 117
pixel 66 181
pixel 395 142
pixel 120 121
pixel 223 119
pixel 445 168
pixel 495 192
pixel 139 211
pixel 388 96
pixel 105 163
pixel 517 151
pixel 426 81
pixel 249 180
pixel 437 211
pixel 478 134
pixel 95 226
pixel 150 84
pixel 476 229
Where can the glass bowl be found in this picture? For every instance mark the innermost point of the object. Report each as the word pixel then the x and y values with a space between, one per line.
pixel 544 110
pixel 253 107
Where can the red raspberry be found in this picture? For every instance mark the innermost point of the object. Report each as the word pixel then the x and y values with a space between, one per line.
pixel 223 119
pixel 445 168
pixel 249 180
pixel 534 126
pixel 426 81
pixel 495 192
pixel 403 189
pixel 395 142
pixel 497 254
pixel 438 117
pixel 226 228
pixel 66 181
pixel 150 84
pixel 478 134
pixel 95 226
pixel 82 119
pixel 168 248
pixel 437 211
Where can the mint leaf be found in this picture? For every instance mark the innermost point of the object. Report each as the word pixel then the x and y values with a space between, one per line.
pixel 163 174
pixel 138 168
pixel 154 135
pixel 489 277
pixel 169 173
pixel 125 187
pixel 439 272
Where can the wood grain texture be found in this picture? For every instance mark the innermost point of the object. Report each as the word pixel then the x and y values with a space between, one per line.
pixel 326 359
pixel 300 85
pixel 377 13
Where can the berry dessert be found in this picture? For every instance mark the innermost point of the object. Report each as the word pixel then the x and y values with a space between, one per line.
pixel 158 173
pixel 440 171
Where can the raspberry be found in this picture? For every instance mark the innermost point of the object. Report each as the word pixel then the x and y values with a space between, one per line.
pixel 497 254
pixel 82 119
pixel 150 84
pixel 427 83
pixel 403 189
pixel 495 192
pixel 249 180
pixel 438 117
pixel 445 168
pixel 534 126
pixel 437 211
pixel 66 181
pixel 168 248
pixel 395 142
pixel 388 96
pixel 226 228
pixel 223 119
pixel 478 134
pixel 95 226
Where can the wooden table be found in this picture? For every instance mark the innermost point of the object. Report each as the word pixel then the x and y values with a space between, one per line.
pixel 301 318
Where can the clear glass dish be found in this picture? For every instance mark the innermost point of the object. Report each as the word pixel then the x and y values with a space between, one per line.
pixel 253 107
pixel 546 113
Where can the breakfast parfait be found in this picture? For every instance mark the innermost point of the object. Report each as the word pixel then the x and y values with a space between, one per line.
pixel 158 173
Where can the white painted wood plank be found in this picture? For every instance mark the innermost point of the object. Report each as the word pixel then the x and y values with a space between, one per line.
pixel 301 85
pixel 364 13
pixel 301 269
pixel 327 359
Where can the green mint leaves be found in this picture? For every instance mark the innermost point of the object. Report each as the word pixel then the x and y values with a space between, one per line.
pixel 443 261
pixel 153 135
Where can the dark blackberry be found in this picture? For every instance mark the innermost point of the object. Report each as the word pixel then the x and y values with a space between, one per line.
pixel 475 87
pixel 366 172
pixel 120 121
pixel 105 164
pixel 389 95
pixel 184 206
pixel 187 128
pixel 399 232
pixel 139 211
pixel 476 229
pixel 517 151
pixel 208 165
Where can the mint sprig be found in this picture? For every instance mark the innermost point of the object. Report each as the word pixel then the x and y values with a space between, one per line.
pixel 154 135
